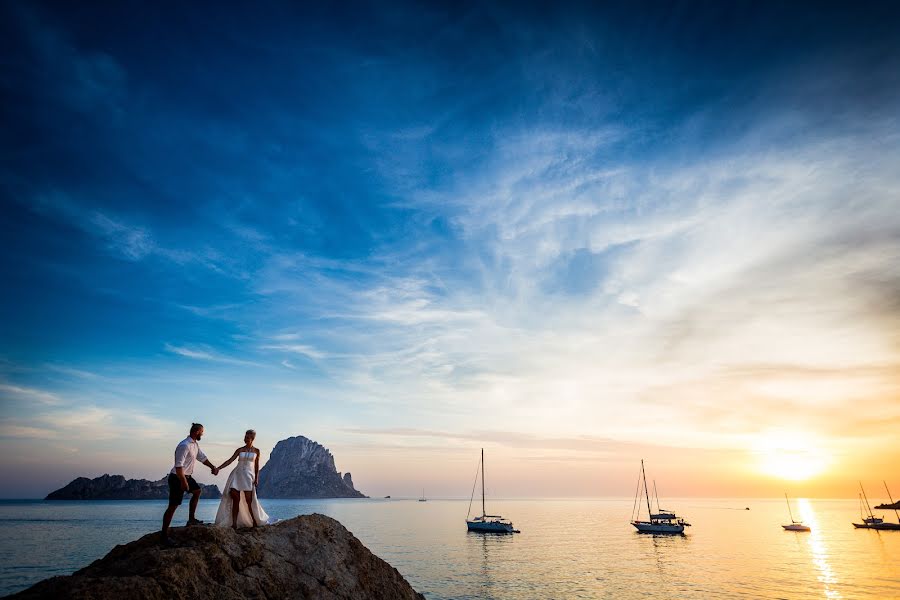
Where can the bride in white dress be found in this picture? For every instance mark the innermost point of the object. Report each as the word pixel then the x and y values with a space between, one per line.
pixel 239 506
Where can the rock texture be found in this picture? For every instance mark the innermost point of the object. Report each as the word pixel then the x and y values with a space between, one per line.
pixel 895 505
pixel 116 487
pixel 312 556
pixel 301 468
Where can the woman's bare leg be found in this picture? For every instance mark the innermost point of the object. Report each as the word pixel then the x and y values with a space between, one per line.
pixel 235 506
pixel 249 497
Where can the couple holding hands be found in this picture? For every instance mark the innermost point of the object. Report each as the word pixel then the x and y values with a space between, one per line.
pixel 239 505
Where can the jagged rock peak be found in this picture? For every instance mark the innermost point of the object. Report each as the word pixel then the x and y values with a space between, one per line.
pixel 301 468
pixel 312 556
pixel 302 452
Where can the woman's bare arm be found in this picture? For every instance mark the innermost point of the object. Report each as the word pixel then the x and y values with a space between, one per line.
pixel 230 460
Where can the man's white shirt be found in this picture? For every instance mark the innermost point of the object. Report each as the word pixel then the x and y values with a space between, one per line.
pixel 187 453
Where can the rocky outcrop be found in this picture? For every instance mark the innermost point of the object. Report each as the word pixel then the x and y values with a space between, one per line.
pixel 312 556
pixel 894 506
pixel 301 468
pixel 116 487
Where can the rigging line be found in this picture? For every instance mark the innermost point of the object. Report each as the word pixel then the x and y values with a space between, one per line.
pixel 472 497
pixel 636 492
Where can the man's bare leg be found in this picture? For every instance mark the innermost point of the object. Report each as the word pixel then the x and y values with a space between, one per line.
pixel 192 507
pixel 167 520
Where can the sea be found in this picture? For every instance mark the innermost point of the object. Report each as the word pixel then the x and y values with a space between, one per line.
pixel 567 548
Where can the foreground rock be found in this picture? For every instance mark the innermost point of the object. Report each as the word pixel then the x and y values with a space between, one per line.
pixel 302 468
pixel 311 556
pixel 116 487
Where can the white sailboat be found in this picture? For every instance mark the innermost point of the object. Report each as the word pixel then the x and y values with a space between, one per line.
pixel 663 521
pixel 486 523
pixel 795 525
pixel 422 499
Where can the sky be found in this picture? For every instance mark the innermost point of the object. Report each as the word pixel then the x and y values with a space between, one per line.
pixel 574 236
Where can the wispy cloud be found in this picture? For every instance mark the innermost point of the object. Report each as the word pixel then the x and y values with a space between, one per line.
pixel 31 395
pixel 206 355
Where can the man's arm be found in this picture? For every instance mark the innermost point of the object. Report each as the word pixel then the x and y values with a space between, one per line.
pixel 179 471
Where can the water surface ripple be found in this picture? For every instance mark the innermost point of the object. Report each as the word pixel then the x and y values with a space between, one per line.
pixel 567 548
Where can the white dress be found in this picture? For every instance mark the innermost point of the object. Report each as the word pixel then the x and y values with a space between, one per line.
pixel 241 479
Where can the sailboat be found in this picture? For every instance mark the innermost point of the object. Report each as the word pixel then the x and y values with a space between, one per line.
pixel 486 523
pixel 422 499
pixel 795 525
pixel 871 521
pixel 663 521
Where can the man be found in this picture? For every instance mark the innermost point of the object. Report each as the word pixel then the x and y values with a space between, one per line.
pixel 180 481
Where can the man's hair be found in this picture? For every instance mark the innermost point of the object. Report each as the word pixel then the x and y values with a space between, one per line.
pixel 195 427
pixel 250 432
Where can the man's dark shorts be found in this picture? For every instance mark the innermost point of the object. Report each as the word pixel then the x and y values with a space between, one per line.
pixel 176 494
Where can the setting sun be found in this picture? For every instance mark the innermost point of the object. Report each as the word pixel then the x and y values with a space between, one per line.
pixel 790 455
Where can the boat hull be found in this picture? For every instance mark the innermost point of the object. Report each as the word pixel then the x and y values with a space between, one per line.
pixel 796 528
pixel 665 528
pixel 878 526
pixel 490 527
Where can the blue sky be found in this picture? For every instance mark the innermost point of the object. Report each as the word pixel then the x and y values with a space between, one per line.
pixel 408 231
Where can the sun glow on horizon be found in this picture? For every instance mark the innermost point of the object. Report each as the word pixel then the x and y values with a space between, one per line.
pixel 790 455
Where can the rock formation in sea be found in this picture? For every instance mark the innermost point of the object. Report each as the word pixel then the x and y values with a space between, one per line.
pixel 116 487
pixel 894 506
pixel 312 556
pixel 301 468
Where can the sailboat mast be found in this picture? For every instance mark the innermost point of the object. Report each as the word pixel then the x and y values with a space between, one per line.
pixel 483 511
pixel 655 493
pixel 646 492
pixel 890 498
pixel 868 508
pixel 789 507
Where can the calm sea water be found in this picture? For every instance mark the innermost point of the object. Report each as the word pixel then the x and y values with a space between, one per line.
pixel 567 548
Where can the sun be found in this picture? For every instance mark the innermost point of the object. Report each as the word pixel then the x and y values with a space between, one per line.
pixel 790 455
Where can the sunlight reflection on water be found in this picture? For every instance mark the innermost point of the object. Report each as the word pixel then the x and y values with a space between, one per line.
pixel 819 551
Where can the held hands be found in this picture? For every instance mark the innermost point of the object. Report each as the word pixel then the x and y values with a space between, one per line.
pixel 215 470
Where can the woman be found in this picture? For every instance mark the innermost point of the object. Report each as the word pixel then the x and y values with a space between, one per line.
pixel 239 505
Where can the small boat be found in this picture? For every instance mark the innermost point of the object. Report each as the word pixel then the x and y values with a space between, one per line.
pixel 422 499
pixel 795 525
pixel 486 523
pixel 871 521
pixel 387 497
pixel 662 521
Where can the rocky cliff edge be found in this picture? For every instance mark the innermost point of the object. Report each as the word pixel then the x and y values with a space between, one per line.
pixel 311 556
pixel 116 487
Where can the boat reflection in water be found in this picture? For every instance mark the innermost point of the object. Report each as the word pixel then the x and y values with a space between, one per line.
pixel 662 521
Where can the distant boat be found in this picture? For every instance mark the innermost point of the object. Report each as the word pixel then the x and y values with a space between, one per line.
pixel 662 521
pixel 795 525
pixel 486 523
pixel 422 499
pixel 871 521
pixel 386 497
